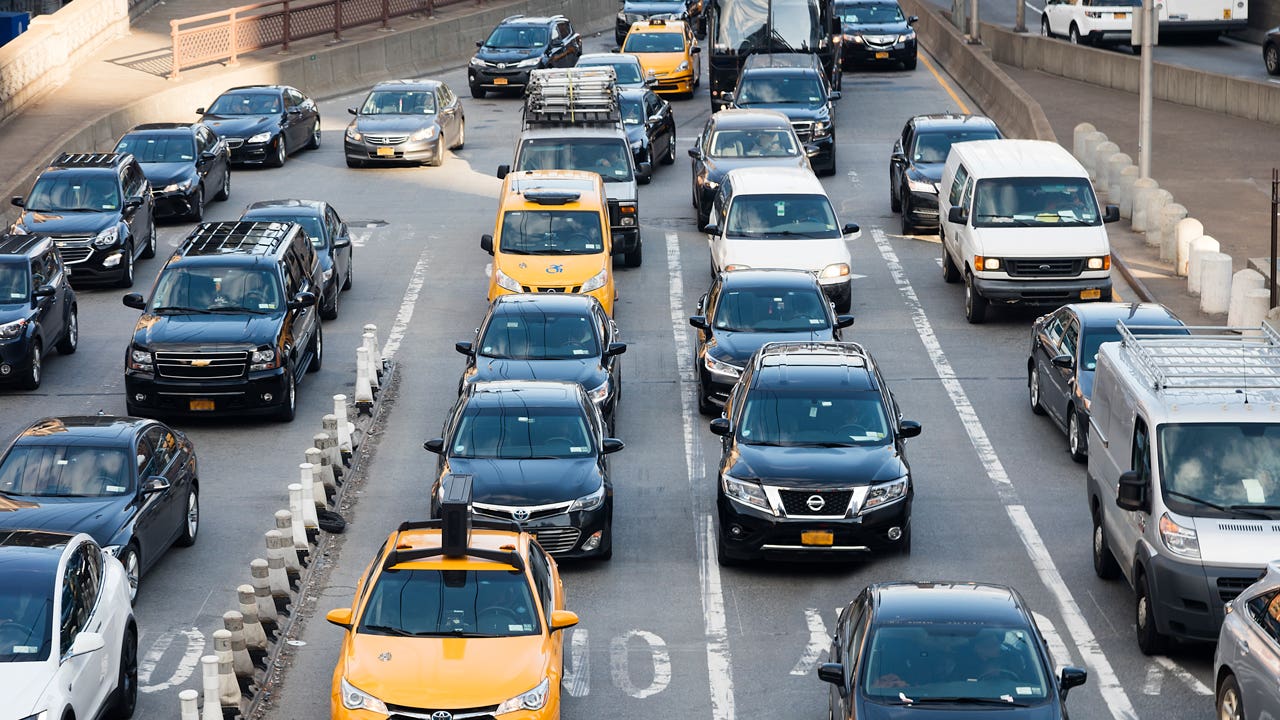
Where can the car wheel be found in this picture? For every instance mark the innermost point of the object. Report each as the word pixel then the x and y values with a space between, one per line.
pixel 438 160
pixel 477 92
pixel 317 350
pixel 950 273
pixel 149 251
pixel 1075 436
pixel 1150 640
pixel 462 135
pixel 1073 34
pixel 191 521
pixel 1033 390
pixel 1044 27
pixel 895 202
pixel 1230 706
pixel 196 214
pixel 289 409
pixel 705 406
pixel 132 569
pixel 126 273
pixel 225 191
pixel 635 257
pixel 346 284
pixel 31 381
pixel 1104 562
pixel 330 312
pixel 314 143
pixel 670 157
pixel 975 306
pixel 126 697
pixel 1271 58
pixel 71 338
pixel 281 154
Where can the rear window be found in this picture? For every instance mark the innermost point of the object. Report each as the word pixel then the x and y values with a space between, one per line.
pixel 608 157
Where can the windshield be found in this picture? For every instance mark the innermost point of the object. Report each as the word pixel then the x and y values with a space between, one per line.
pixel 745 25
pixel 205 288
pixel 14 287
pixel 632 110
pixel 310 224
pixel 771 89
pixel 933 147
pixel 870 13
pixel 458 603
pixel 1233 465
pixel 67 192
pixel 771 311
pixel 628 73
pixel 798 418
pixel 522 433
pixel 1034 202
pixel 753 143
pixel 517 37
pixel 398 102
pixel 26 606
pixel 150 148
pixel 781 216
pixel 654 42
pixel 610 158
pixel 925 661
pixel 539 336
pixel 246 104
pixel 547 232
pixel 65 471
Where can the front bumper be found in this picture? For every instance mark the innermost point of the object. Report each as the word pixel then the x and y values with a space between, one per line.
pixel 604 295
pixel 563 535
pixel 674 84
pixel 240 396
pixel 337 711
pixel 84 262
pixel 761 535
pixel 855 53
pixel 408 151
pixel 838 290
pixel 15 358
pixel 177 203
pixel 715 386
pixel 494 78
pixel 243 153
pixel 1188 598
pixel 822 152
pixel 625 239
pixel 1043 292
pixel 922 208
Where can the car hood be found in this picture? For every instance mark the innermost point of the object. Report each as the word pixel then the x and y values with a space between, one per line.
pixel 10 311
pixel 507 55
pixel 661 63
pixel 587 372
pixel 99 517
pixel 800 254
pixel 63 224
pixel 717 168
pixel 241 126
pixel 205 332
pixel 1236 542
pixel 653 8
pixel 529 482
pixel 162 174
pixel 24 685
pixel 817 467
pixel 793 111
pixel 928 171
pixel 551 270
pixel 393 123
pixel 445 672
pixel 893 28
pixel 876 711
pixel 1048 241
pixel 737 347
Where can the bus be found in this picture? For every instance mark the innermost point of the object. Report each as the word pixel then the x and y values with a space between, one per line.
pixel 1203 16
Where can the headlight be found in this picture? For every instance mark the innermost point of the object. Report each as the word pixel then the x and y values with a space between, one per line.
pixel 107 238
pixel 907 37
pixel 601 393
pixel 629 210
pixel 881 495
pixel 529 62
pixel 424 134
pixel 177 187
pixel 42 715
pixel 1180 540
pixel 140 360
pixel 834 270
pixel 505 281
pixel 983 263
pixel 1099 263
pixel 535 699
pixel 596 282
pixel 260 138
pixel 11 330
pixel 353 698
pixel 924 186
pixel 821 129
pixel 477 62
pixel 720 367
pixel 682 66
pixel 856 39
pixel 588 502
pixel 324 276
pixel 264 359
pixel 748 493
pixel 354 134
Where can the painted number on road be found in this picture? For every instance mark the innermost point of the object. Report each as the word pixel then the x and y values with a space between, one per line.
pixel 639 664
pixel 194 643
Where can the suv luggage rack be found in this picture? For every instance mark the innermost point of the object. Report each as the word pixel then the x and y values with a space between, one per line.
pixel 1208 357
pixel 572 96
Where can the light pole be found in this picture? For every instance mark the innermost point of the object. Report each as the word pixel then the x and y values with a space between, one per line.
pixel 1148 29
pixel 1020 25
pixel 973 22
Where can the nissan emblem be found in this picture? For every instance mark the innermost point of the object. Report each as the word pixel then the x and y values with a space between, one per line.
pixel 815 503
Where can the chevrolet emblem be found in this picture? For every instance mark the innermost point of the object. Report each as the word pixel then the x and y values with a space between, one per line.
pixel 200 363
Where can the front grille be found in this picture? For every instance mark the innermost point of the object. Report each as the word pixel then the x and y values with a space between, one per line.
pixel 1044 267
pixel 504 512
pixel 408 712
pixel 202 366
pixel 74 251
pixel 880 41
pixel 804 130
pixel 234 143
pixel 557 540
pixel 1230 587
pixel 385 139
pixel 552 288
pixel 796 502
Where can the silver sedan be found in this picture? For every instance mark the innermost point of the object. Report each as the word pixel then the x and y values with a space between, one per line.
pixel 1247 661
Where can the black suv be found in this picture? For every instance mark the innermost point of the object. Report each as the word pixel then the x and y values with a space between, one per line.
pixel 813 462
pixel 794 84
pixel 37 308
pixel 98 208
pixel 231 326
pixel 187 164
pixel 520 44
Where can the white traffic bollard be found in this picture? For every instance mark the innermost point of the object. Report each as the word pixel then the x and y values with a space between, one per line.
pixel 1241 283
pixel 299 516
pixel 364 391
pixel 1201 246
pixel 276 574
pixel 1101 164
pixel 1156 202
pixel 1187 231
pixel 1090 150
pixel 1170 216
pixel 370 343
pixel 321 468
pixel 254 635
pixel 189 704
pixel 345 427
pixel 375 352
pixel 319 494
pixel 1142 187
pixel 1256 304
pixel 330 425
pixel 1077 138
pixel 1124 191
pixel 284 523
pixel 242 663
pixel 212 708
pixel 1215 283
pixel 260 576
pixel 307 481
pixel 1115 164
pixel 228 686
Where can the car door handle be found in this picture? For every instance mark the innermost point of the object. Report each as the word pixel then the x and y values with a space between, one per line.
pixel 1244 646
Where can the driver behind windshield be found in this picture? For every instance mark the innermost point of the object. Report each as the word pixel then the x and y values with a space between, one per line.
pixel 208 289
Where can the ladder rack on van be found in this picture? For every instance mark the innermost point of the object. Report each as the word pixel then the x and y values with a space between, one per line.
pixel 572 96
pixel 1208 358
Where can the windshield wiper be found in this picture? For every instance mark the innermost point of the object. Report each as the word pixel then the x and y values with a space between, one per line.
pixel 180 309
pixel 236 309
pixel 1220 508
pixel 388 630
pixel 956 700
pixel 515 251
pixel 823 444
pixel 797 233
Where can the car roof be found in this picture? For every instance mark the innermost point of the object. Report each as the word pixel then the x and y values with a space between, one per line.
pixel 247 241
pixel 407 85
pixel 523 393
pixel 20 245
pixel 531 19
pixel 1105 314
pixel 290 206
pixel 947 121
pixel 768 278
pixel 947 602
pixel 82 430
pixel 826 366
pixel 161 128
pixel 662 26
pixel 245 89
pixel 1017 158
pixel 90 161
pixel 560 303
pixel 608 59
pixel 732 118
pixel 781 61
pixel 574 131
pixel 774 181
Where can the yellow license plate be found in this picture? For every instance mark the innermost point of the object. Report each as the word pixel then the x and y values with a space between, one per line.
pixel 386 152
pixel 1120 16
pixel 200 405
pixel 817 537
pixel 882 55
pixel 1090 294
pixel 1226 14
pixel 499 81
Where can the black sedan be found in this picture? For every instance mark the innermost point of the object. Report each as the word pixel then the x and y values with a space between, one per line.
pixel 547 336
pixel 130 483
pixel 740 138
pixel 405 121
pixel 329 236
pixel 746 309
pixel 943 649
pixel 1064 354
pixel 876 32
pixel 919 154
pixel 264 124
pixel 650 126
pixel 186 163
pixel 536 451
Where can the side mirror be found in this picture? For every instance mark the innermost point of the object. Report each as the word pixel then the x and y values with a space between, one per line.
pixel 612 445
pixel 479 43
pixel 85 643
pixel 644 171
pixel 463 347
pixel 700 322
pixel 1111 213
pixel 712 229
pixel 135 300
pixel 697 50
pixel 503 170
pixel 655 118
pixel 200 111
pixel 154 484
pixel 486 243
pixel 133 203
pixel 207 156
pixel 1064 361
pixel 435 445
pixel 913 19
pixel 1131 494
pixel 727 98
pixel 851 228
pixel 563 620
pixel 352 111
pixel 898 157
pixel 832 673
pixel 1072 677
pixel 833 95
pixel 340 617
pixel 616 50
pixel 909 428
pixel 302 300
pixel 844 321
pixel 958 215
pixel 17 201
pixel 43 291
pixel 343 239
pixel 695 153
pixel 615 349
pixel 721 426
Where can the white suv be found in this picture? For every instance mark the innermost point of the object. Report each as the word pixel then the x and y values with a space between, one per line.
pixel 770 217
pixel 1090 22
pixel 69 643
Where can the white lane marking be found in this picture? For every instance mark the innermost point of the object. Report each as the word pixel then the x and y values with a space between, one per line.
pixel 817 645
pixel 853 177
pixel 1033 8
pixel 411 293
pixel 576 679
pixel 619 663
pixel 719 668
pixel 1155 680
pixel 1183 676
pixel 360 237
pixel 186 666
pixel 1057 648
pixel 1117 700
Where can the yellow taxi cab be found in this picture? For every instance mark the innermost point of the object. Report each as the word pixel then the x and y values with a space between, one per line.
pixel 552 235
pixel 455 618
pixel 668 50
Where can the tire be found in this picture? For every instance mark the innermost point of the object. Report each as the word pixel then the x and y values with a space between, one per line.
pixel 35 368
pixel 1104 561
pixel 317 351
pixel 126 274
pixel 289 409
pixel 1229 705
pixel 904 548
pixel 705 407
pixel 975 306
pixel 670 157
pixel 635 257
pixel 331 312
pixel 1150 640
pixel 149 251
pixel 191 521
pixel 225 191
pixel 910 64
pixel 438 160
pixel 1271 58
pixel 282 153
pixel 346 284
pixel 197 207
pixel 950 273
pixel 1044 27
pixel 462 135
pixel 908 227
pixel 1033 390
pixel 126 694
pixel 1073 35
pixel 71 338
pixel 1076 441
pixel 132 569
pixel 477 92
pixel 314 142
pixel 895 201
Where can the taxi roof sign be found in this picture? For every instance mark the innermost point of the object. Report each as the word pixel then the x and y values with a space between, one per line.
pixel 455 514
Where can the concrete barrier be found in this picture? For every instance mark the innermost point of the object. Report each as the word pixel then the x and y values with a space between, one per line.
pixel 1142 188
pixel 1215 283
pixel 364 390
pixel 344 428
pixel 1241 283
pixel 1170 216
pixel 1102 154
pixel 242 661
pixel 228 686
pixel 1157 200
pixel 1124 191
pixel 1188 230
pixel 284 523
pixel 1092 142
pixel 255 636
pixel 1077 139
pixel 1115 164
pixel 1200 248
pixel 1257 304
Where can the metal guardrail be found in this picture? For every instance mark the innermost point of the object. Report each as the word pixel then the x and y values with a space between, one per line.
pixel 226 34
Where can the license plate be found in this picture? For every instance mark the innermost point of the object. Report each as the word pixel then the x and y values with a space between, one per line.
pixel 1226 14
pixel 882 55
pixel 499 81
pixel 195 405
pixel 386 152
pixel 817 537
pixel 1120 16
pixel 1090 294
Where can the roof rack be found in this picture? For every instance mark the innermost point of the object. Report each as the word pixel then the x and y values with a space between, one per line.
pixel 236 236
pixel 1210 357
pixel 572 96
pixel 97 160
pixel 830 346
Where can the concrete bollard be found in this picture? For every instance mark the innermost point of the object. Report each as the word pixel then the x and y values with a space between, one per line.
pixel 307 481
pixel 369 342
pixel 260 572
pixel 1124 194
pixel 1115 164
pixel 228 686
pixel 1077 138
pixel 1101 163
pixel 276 573
pixel 212 708
pixel 1257 303
pixel 1215 283
pixel 1186 233
pixel 329 423
pixel 254 634
pixel 322 476
pixel 1170 216
pixel 322 442
pixel 284 523
pixel 364 391
pixel 1089 151
pixel 189 704
pixel 1142 188
pixel 1203 245
pixel 299 516
pixel 375 352
pixel 1157 200
pixel 241 661
pixel 1241 283
pixel 345 428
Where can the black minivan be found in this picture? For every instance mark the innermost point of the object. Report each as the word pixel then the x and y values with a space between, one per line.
pixel 37 308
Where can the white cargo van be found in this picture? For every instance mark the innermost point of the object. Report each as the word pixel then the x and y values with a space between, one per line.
pixel 1021 225
pixel 1184 472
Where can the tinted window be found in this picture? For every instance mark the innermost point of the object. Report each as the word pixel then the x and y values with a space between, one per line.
pixel 796 26
pixel 957 186
pixel 517 36
pixel 633 110
pixel 227 289
pixel 76 471
pixel 610 158
pixel 73 604
pixel 247 104
pixel 798 418
pixel 654 42
pixel 399 102
pixel 544 232
pixel 522 433
pixel 540 566
pixel 14 287
pixel 1232 465
pixel 932 147
pixel 539 336
pixel 1265 611
pixel 310 224
pixel 753 143
pixel 26 604
pixel 774 311
pixel 451 603
pixel 781 216
pixel 628 73
pixel 924 660
pixel 1023 202
pixel 74 192
pixel 796 89
pixel 151 148
pixel 870 13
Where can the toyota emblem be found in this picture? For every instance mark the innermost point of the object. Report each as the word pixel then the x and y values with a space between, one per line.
pixel 815 503
pixel 520 515
pixel 442 715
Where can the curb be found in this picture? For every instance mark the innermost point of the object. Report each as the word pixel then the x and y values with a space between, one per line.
pixel 1139 287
